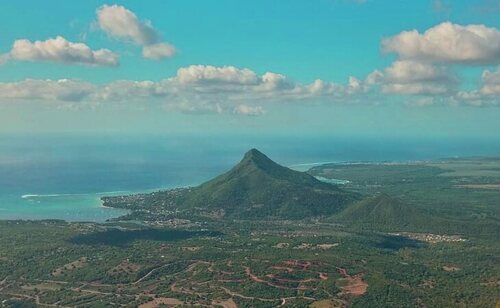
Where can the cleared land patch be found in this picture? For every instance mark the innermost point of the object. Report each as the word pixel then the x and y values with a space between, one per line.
pixel 355 284
pixel 81 262
pixel 449 268
pixel 328 303
pixel 125 267
pixel 162 301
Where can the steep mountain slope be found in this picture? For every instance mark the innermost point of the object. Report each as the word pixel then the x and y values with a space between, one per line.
pixel 257 187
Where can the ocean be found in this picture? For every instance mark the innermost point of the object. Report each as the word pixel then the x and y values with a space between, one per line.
pixel 64 176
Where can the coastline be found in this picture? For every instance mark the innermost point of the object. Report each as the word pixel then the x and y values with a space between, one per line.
pixel 102 204
pixel 66 207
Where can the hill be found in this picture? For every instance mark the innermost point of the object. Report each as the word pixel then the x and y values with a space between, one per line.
pixel 383 211
pixel 257 187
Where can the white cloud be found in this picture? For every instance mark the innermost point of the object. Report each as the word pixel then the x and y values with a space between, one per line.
pixel 415 88
pixel 488 93
pixel 121 90
pixel 491 83
pixel 241 84
pixel 475 98
pixel 320 87
pixel 119 22
pixel 51 90
pixel 272 81
pixel 355 85
pixel 410 71
pixel 425 61
pixel 415 78
pixel 158 51
pixel 214 75
pixel 61 50
pixel 447 43
pixel 196 88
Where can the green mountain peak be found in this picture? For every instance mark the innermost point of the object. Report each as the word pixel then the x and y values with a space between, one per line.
pixel 259 187
pixel 254 154
pixel 256 160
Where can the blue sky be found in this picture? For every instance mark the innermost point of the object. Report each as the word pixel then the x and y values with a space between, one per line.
pixel 207 70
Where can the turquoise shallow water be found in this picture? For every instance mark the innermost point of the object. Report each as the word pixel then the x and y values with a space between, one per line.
pixel 71 207
pixel 63 177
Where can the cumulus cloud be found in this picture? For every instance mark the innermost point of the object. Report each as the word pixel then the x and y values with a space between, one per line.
pixel 488 93
pixel 158 51
pixel 320 87
pixel 194 89
pixel 120 90
pixel 61 50
pixel 426 61
pixel 121 23
pixel 447 43
pixel 51 90
pixel 272 81
pixel 416 78
pixel 213 74
pixel 491 83
pixel 238 85
pixel 410 71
